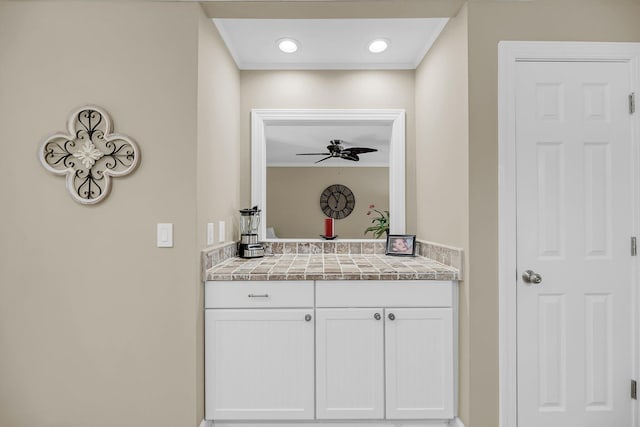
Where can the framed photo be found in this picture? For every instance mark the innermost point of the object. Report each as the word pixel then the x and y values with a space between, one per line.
pixel 401 245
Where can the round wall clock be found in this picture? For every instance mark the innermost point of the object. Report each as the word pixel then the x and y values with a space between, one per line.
pixel 337 201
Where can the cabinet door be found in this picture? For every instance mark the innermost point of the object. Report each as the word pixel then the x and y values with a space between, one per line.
pixel 259 364
pixel 349 363
pixel 419 363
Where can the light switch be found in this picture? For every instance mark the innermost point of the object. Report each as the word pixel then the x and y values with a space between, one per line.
pixel 165 235
pixel 209 233
pixel 221 231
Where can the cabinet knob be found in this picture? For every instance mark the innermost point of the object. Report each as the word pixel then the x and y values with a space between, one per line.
pixel 307 318
pixel 376 316
pixel 392 316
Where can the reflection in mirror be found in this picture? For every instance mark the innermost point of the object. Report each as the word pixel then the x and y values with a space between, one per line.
pixel 303 160
pixel 308 165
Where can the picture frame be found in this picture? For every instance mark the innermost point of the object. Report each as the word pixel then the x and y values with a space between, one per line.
pixel 401 245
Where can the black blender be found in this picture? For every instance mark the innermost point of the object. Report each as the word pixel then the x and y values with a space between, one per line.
pixel 249 246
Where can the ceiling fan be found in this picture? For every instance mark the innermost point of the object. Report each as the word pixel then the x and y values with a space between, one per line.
pixel 336 149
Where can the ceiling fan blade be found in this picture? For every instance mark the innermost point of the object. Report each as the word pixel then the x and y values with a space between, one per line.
pixel 350 156
pixel 335 149
pixel 359 150
pixel 322 160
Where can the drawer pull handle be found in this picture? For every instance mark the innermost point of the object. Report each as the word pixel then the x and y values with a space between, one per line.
pixel 392 316
pixel 307 318
pixel 258 295
pixel 376 316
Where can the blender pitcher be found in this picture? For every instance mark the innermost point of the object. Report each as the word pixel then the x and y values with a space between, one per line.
pixel 249 246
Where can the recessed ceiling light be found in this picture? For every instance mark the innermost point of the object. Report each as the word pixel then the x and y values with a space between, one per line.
pixel 287 45
pixel 378 46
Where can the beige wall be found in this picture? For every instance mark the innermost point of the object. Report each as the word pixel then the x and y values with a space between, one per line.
pixel 218 133
pixel 442 137
pixel 292 9
pixel 442 153
pixel 293 199
pixel 330 89
pixel 490 22
pixel 97 325
pixel 218 159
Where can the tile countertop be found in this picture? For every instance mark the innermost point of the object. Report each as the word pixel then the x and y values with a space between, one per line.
pixel 332 267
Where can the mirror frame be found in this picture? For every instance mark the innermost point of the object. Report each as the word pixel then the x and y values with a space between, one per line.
pixel 263 117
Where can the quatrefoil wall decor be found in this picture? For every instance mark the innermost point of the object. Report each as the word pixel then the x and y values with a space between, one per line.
pixel 89 155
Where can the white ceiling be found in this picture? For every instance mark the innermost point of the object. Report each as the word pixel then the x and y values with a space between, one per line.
pixel 329 44
pixel 283 142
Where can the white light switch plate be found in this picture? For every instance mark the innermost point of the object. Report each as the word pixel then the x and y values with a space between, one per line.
pixel 221 231
pixel 210 233
pixel 165 235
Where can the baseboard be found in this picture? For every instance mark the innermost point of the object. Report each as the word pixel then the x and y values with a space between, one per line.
pixel 364 423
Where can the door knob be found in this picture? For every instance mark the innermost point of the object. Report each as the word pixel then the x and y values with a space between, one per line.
pixel 392 316
pixel 377 316
pixel 531 276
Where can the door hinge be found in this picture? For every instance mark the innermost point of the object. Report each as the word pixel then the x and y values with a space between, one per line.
pixel 632 102
pixel 634 246
pixel 634 390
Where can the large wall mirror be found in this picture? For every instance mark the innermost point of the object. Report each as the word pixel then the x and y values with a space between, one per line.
pixel 297 154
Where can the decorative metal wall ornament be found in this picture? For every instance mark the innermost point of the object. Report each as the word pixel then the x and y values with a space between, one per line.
pixel 89 155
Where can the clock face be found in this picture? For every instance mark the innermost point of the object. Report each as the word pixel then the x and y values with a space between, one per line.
pixel 337 201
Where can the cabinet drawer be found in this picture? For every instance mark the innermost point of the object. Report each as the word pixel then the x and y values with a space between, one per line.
pixel 381 293
pixel 258 294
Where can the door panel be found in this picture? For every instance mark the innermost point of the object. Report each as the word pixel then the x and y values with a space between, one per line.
pixel 350 363
pixel 419 363
pixel 598 337
pixel 259 364
pixel 550 172
pixel 552 353
pixel 574 222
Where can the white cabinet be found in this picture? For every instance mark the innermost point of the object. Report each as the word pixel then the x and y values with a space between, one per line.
pixel 415 340
pixel 419 363
pixel 349 363
pixel 259 362
pixel 349 350
pixel 368 356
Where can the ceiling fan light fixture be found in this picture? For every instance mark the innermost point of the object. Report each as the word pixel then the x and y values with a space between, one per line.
pixel 287 45
pixel 378 45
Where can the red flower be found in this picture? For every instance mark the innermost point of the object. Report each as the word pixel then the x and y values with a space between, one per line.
pixel 371 207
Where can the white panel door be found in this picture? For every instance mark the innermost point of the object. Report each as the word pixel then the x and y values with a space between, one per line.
pixel 419 363
pixel 349 363
pixel 259 364
pixel 574 223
